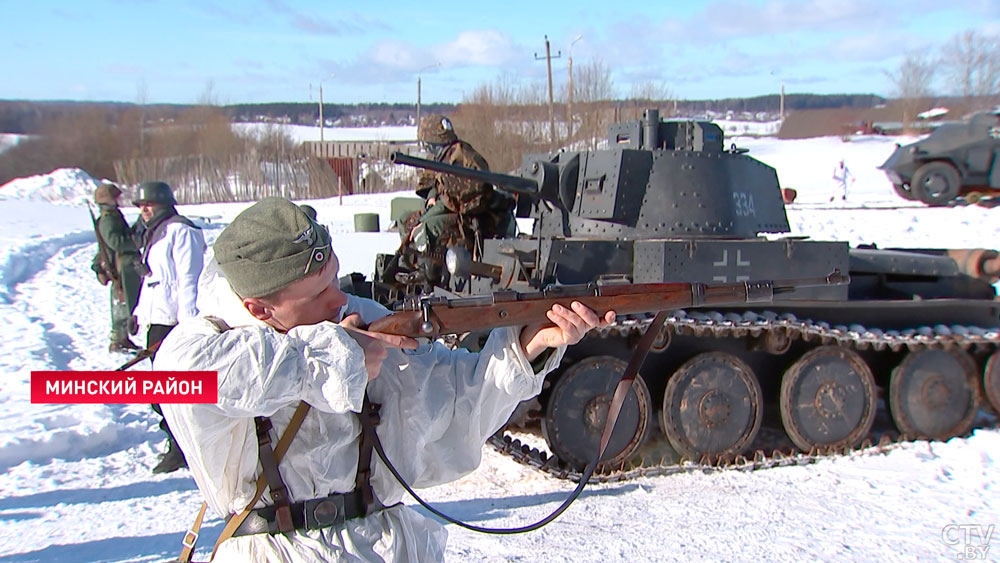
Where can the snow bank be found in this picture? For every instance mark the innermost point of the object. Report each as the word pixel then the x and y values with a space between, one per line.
pixel 65 185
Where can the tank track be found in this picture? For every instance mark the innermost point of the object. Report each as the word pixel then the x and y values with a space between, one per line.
pixel 756 323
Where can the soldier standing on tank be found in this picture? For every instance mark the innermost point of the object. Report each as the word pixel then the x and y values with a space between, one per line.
pixel 117 262
pixel 459 211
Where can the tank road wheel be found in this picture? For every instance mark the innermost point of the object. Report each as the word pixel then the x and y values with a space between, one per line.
pixel 712 406
pixel 934 394
pixel 991 380
pixel 577 409
pixel 936 183
pixel 827 399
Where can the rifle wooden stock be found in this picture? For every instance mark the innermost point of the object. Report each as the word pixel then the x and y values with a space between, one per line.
pixel 436 316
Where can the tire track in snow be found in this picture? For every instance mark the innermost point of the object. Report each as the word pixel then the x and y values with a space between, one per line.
pixel 21 264
pixel 73 319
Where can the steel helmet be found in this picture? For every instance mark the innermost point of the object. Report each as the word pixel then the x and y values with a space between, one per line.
pixel 436 129
pixel 107 194
pixel 155 192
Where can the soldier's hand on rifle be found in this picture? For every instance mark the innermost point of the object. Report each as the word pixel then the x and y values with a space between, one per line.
pixel 571 325
pixel 374 344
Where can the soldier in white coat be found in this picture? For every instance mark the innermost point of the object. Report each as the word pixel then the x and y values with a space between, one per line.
pixel 278 330
pixel 173 249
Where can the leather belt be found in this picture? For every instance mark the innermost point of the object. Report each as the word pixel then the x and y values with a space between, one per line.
pixel 313 514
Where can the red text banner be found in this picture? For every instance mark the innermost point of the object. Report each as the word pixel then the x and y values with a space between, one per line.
pixel 124 387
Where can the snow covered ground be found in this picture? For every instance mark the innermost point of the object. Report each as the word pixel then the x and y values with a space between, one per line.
pixel 75 484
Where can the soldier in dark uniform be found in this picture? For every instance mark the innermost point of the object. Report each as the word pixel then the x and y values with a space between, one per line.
pixel 125 270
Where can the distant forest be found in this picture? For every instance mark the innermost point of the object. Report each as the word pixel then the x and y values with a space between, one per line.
pixel 31 117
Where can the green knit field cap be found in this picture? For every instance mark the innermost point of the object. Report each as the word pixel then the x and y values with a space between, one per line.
pixel 107 194
pixel 271 244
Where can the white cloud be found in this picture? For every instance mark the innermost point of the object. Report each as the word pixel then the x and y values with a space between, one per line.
pixel 397 55
pixel 477 47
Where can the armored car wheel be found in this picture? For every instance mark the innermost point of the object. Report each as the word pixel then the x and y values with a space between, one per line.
pixel 991 380
pixel 936 183
pixel 577 409
pixel 934 394
pixel 828 399
pixel 712 406
pixel 903 191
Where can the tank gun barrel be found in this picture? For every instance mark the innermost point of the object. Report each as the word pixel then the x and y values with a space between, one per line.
pixel 514 184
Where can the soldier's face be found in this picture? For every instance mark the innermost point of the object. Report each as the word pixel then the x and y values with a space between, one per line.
pixel 309 301
pixel 147 209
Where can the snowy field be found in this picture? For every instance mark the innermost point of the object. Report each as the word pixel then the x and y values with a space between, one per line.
pixel 75 481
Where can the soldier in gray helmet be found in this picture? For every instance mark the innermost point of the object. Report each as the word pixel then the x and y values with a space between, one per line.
pixel 117 262
pixel 173 249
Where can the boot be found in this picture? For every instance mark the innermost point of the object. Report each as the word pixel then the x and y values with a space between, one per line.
pixel 124 346
pixel 170 461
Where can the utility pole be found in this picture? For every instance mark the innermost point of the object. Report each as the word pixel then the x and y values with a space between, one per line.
pixel 321 122
pixel 552 113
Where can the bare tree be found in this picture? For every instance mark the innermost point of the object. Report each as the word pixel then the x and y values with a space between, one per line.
pixel 503 120
pixel 912 85
pixel 592 85
pixel 647 95
pixel 972 61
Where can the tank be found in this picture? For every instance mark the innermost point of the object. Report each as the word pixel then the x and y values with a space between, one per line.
pixel 957 163
pixel 905 347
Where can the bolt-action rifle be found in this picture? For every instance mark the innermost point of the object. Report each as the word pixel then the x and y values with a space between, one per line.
pixel 433 316
pixel 104 265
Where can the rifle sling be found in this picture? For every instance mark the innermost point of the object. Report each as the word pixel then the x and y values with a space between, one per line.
pixel 106 262
pixel 618 399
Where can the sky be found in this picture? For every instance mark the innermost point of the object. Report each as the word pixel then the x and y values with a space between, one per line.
pixel 75 480
pixel 187 51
